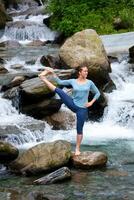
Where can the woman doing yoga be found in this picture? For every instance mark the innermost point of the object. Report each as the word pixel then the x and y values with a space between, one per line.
pixel 78 103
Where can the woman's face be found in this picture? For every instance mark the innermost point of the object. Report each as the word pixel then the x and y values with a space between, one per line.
pixel 84 72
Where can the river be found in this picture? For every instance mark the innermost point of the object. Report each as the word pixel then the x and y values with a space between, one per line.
pixel 113 134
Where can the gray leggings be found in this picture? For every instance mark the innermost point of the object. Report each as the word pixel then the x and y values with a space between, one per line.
pixel 81 113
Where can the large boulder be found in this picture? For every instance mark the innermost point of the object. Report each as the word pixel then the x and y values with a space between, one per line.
pixel 41 109
pixel 34 90
pixel 8 152
pixel 86 47
pixel 43 157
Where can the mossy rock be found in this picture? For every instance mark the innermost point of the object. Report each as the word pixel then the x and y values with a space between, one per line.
pixel 8 152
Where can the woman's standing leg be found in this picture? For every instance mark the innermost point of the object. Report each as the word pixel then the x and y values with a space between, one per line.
pixel 79 138
pixel 81 118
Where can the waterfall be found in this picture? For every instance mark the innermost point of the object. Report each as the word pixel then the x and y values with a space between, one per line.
pixel 118 118
pixel 117 122
pixel 121 101
pixel 31 32
pixel 28 27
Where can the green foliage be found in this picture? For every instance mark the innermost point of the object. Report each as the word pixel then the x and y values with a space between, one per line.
pixel 70 16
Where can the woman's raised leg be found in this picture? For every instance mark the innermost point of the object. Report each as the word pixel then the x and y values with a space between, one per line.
pixel 48 83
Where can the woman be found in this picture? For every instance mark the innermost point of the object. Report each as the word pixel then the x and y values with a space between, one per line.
pixel 79 101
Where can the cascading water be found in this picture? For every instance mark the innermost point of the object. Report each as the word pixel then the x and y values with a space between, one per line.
pixel 118 117
pixel 29 28
pixel 113 134
pixel 117 121
pixel 29 32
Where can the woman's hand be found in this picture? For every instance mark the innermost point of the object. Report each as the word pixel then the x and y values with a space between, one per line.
pixel 90 103
pixel 46 72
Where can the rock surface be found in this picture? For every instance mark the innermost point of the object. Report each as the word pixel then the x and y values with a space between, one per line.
pixel 89 159
pixel 42 157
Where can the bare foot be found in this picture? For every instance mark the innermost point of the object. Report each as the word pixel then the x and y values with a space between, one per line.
pixel 77 153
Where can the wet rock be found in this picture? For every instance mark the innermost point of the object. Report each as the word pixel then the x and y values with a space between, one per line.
pixel 112 59
pixel 56 176
pixel 42 157
pixel 35 90
pixel 95 112
pixel 41 109
pixel 109 87
pixel 59 38
pixel 15 82
pixel 17 66
pixel 11 4
pixel 10 44
pixel 44 196
pixel 31 62
pixel 14 95
pixel 8 152
pixel 116 173
pixel 36 43
pixel 89 159
pixel 16 130
pixel 6 79
pixel 3 70
pixel 2 61
pixel 47 20
pixel 30 3
pixel 53 62
pixel 64 120
pixel 4 17
pixel 86 47
pixel 131 54
pixel 20 24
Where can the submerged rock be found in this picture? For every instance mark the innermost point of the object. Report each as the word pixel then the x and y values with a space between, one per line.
pixel 45 196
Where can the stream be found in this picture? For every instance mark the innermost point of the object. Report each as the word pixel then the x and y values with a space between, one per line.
pixel 113 134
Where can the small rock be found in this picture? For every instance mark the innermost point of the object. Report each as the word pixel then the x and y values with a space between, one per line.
pixel 89 159
pixel 56 176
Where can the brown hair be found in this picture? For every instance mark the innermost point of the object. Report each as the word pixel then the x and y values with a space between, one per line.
pixel 80 67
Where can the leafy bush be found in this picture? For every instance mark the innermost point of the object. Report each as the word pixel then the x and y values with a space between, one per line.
pixel 75 15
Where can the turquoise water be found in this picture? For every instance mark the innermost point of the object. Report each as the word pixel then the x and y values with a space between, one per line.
pixel 113 182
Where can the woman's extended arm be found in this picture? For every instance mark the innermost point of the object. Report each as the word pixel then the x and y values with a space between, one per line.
pixel 56 78
pixel 62 82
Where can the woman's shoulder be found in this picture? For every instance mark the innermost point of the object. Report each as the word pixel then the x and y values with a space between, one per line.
pixel 90 82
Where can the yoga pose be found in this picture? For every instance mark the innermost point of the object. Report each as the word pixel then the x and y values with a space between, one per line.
pixel 78 103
